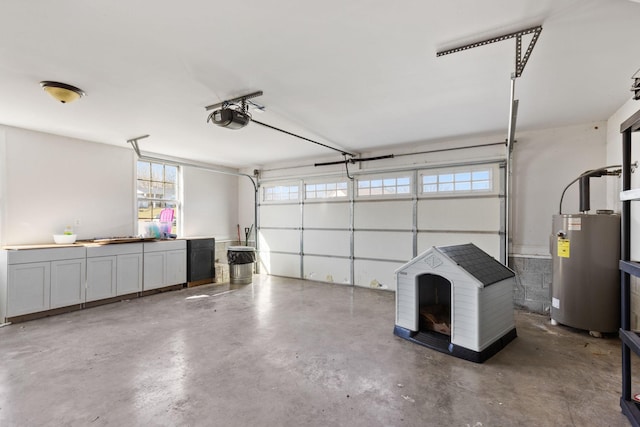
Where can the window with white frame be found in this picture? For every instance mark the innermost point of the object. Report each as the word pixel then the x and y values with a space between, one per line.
pixel 384 186
pixel 278 193
pixel 157 193
pixel 326 190
pixel 457 181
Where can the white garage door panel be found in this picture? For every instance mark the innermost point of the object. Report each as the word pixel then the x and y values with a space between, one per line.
pixel 280 240
pixel 326 215
pixel 375 274
pixel 390 215
pixel 280 216
pixel 327 242
pixel 333 270
pixel 490 243
pixel 482 214
pixel 280 264
pixel 396 245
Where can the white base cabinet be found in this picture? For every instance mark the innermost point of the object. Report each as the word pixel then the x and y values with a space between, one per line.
pixel 36 280
pixel 41 279
pixel 67 282
pixel 165 264
pixel 28 288
pixel 113 270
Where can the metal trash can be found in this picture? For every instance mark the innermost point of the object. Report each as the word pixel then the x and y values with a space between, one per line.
pixel 241 259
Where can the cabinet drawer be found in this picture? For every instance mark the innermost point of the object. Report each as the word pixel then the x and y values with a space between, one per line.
pixel 40 255
pixel 115 249
pixel 167 245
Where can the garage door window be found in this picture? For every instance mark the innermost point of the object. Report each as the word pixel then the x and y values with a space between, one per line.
pixel 280 193
pixel 457 181
pixel 326 190
pixel 384 186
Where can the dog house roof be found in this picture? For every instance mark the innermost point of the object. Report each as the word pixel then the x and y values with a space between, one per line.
pixel 479 264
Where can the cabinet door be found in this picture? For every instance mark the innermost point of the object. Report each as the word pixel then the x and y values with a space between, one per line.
pixel 129 274
pixel 101 278
pixel 154 276
pixel 176 272
pixel 28 288
pixel 67 282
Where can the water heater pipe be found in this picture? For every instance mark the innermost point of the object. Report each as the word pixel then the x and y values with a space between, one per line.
pixel 584 185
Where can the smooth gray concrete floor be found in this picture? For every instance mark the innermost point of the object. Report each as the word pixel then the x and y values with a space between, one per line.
pixel 283 352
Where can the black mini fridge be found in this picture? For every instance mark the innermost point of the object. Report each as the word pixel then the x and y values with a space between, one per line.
pixel 200 261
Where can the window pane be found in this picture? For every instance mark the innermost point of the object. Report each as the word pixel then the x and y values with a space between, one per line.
pixel 430 188
pixel 390 182
pixel 171 173
pixel 445 187
pixel 156 209
pixel 169 191
pixel 404 181
pixel 390 190
pixel 376 183
pixel 463 186
pixel 157 172
pixel 404 189
pixel 331 186
pixel 311 187
pixel 321 186
pixel 446 177
pixel 430 179
pixel 480 175
pixel 376 191
pixel 144 210
pixel 143 188
pixel 363 184
pixel 157 190
pixel 465 176
pixel 364 192
pixel 342 186
pixel 144 170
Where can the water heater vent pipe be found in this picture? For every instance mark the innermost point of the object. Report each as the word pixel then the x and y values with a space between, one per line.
pixel 585 187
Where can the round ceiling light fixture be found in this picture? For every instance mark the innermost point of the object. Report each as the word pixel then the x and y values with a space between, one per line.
pixel 62 92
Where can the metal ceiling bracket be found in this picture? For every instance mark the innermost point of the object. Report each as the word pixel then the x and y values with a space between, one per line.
pixel 243 99
pixel 134 143
pixel 521 61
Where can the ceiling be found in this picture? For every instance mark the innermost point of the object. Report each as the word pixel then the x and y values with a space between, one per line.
pixel 358 75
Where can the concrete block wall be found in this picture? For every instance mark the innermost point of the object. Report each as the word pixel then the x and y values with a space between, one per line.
pixel 220 260
pixel 532 290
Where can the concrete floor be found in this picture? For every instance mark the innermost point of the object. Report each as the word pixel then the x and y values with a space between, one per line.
pixel 284 352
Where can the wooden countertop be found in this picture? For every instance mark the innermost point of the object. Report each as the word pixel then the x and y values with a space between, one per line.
pixel 84 243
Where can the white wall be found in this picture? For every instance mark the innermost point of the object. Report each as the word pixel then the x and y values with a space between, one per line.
pixel 49 181
pixel 210 207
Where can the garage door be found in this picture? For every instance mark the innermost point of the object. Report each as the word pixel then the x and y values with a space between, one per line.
pixel 357 232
